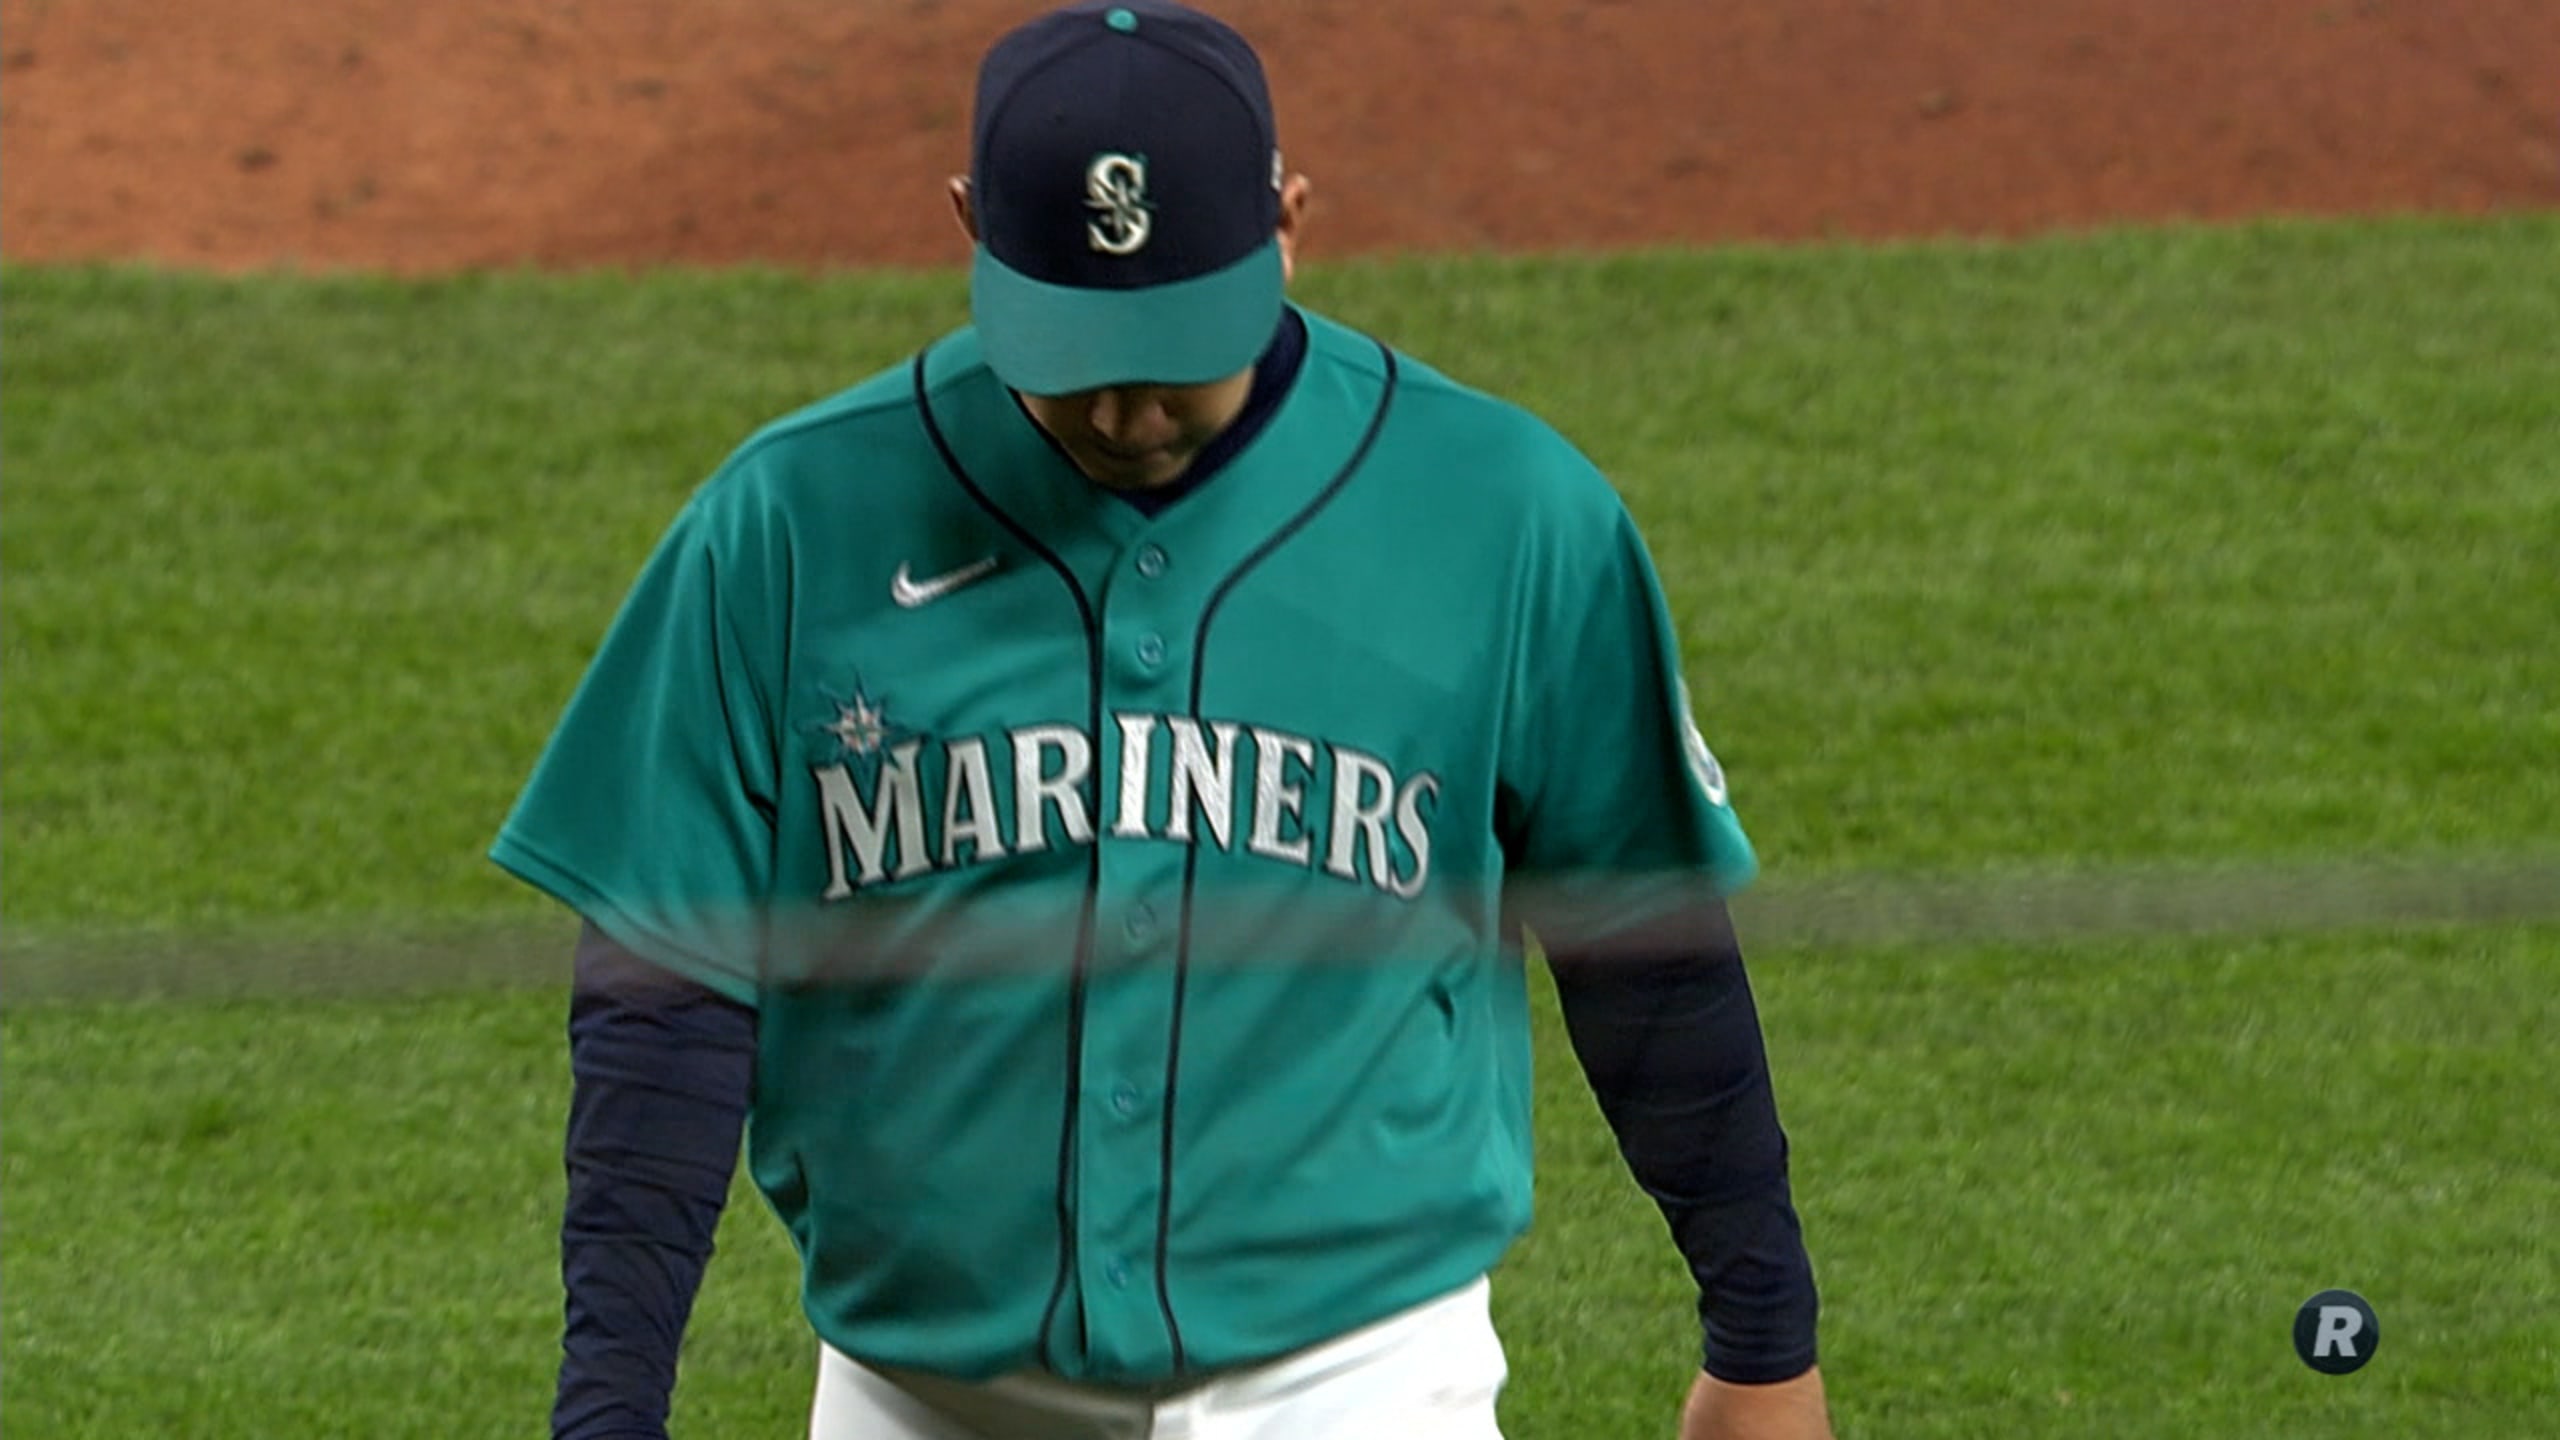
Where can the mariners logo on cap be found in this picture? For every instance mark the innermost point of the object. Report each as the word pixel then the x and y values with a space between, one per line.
pixel 1116 186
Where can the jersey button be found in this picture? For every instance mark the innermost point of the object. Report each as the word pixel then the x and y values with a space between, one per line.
pixel 1151 650
pixel 1124 1098
pixel 1117 1272
pixel 1152 561
pixel 1141 922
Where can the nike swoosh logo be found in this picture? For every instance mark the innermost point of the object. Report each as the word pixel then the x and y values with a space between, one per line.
pixel 910 592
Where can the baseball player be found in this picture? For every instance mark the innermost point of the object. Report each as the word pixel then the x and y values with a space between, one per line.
pixel 1084 791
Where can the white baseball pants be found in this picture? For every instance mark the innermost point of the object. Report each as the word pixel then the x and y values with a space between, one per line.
pixel 1429 1373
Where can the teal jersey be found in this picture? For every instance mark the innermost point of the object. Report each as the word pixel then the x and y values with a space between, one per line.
pixel 1132 905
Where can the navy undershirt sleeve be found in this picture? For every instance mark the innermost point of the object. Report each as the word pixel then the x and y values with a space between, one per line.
pixel 662 1072
pixel 1665 1028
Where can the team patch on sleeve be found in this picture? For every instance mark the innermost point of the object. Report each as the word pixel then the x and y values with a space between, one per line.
pixel 1703 765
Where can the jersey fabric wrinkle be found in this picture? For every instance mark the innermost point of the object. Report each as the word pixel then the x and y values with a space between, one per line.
pixel 1133 929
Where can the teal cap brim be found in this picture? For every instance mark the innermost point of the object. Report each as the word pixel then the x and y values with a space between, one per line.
pixel 1046 339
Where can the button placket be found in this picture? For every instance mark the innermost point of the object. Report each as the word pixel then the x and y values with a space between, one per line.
pixel 1145 623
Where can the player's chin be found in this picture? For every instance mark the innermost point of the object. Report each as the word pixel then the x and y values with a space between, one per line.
pixel 1138 470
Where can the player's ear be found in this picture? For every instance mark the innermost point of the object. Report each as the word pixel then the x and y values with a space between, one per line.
pixel 1293 220
pixel 965 212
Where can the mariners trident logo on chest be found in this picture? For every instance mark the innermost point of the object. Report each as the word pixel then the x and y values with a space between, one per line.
pixel 894 805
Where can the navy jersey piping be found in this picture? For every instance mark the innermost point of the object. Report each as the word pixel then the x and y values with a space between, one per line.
pixel 1191 858
pixel 1068 1123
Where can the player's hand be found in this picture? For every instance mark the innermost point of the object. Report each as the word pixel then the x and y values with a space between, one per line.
pixel 1787 1410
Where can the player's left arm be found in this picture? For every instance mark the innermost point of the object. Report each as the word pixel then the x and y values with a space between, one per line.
pixel 1623 846
pixel 1662 1020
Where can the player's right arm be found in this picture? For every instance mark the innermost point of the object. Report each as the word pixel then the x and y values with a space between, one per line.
pixel 650 814
pixel 663 1072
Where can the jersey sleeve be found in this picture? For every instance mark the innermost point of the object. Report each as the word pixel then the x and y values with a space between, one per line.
pixel 651 811
pixel 1614 809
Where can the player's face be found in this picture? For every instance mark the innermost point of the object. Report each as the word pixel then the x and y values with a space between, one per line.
pixel 1137 437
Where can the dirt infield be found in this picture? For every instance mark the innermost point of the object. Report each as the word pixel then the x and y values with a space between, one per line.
pixel 386 133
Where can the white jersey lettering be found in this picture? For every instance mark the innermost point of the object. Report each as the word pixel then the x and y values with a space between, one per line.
pixel 1364 794
pixel 1137 746
pixel 969 805
pixel 1202 781
pixel 1416 830
pixel 1036 789
pixel 1276 798
pixel 879 825
pixel 895 801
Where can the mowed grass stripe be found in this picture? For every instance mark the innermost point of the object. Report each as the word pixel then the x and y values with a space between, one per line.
pixel 1812 918
pixel 2066 1194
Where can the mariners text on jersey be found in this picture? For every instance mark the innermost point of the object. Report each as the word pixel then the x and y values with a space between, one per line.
pixel 892 810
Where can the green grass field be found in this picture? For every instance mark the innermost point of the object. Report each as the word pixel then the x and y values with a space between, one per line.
pixel 2133 654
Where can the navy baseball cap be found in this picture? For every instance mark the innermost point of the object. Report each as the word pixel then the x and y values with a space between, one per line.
pixel 1126 180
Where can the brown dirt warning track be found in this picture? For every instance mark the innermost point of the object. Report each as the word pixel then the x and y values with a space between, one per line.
pixel 421 137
